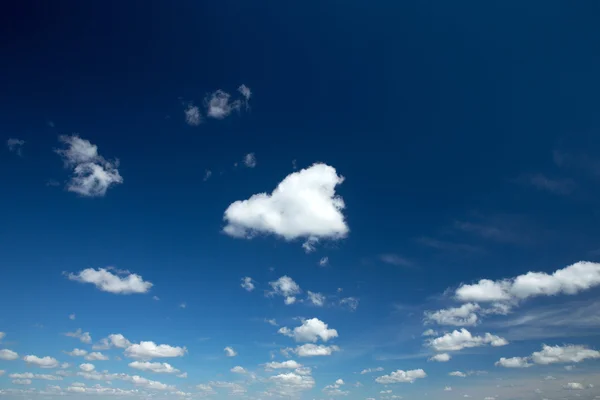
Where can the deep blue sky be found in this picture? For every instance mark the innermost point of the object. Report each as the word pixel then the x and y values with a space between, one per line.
pixel 467 133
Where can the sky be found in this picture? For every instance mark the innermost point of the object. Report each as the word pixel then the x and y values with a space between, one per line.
pixel 300 200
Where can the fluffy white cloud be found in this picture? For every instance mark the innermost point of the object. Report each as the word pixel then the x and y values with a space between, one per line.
pixel 77 353
pixel 514 362
pixel 92 174
pixel 458 340
pixel 304 204
pixel 286 287
pixel 369 370
pixel 401 376
pixel 247 283
pixel 316 299
pixel 334 390
pixel 219 104
pixel 289 364
pixel 458 374
pixel 570 280
pixel 113 340
pixel 464 315
pixel 148 350
pixel 288 385
pixel 149 384
pixel 230 352
pixel 84 337
pixel 96 356
pixel 43 362
pixel 563 354
pixel 159 368
pixel 9 355
pixel 313 350
pixel 250 160
pixel 87 367
pixel 442 357
pixel 311 330
pixel 15 145
pixel 109 282
pixel 193 117
pixel 238 370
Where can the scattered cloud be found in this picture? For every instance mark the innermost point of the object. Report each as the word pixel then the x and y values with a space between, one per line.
pixel 8 355
pixel 247 283
pixel 245 91
pixel 43 362
pixel 289 364
pixel 369 370
pixel 350 302
pixel 250 160
pixel 96 356
pixel 514 362
pixel 149 350
pixel 77 353
pixel 193 117
pixel 311 330
pixel 458 340
pixel 316 299
pixel 109 282
pixel 458 374
pixel 219 104
pixel 207 175
pixel 238 370
pixel 15 146
pixel 87 367
pixel 303 205
pixel 429 332
pixel 72 317
pixel 156 367
pixel 92 173
pixel 323 262
pixel 230 352
pixel 542 182
pixel 285 287
pixel 442 357
pixel 84 337
pixel 271 322
pixel 401 376
pixel 313 350
pixel 464 315
pixel 395 259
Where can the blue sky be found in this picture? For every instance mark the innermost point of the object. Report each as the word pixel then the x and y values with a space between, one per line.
pixel 314 200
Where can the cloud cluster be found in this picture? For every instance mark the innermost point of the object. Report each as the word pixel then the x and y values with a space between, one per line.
pixel 551 355
pixel 461 339
pixel 106 281
pixel 401 376
pixel 286 287
pixel 92 174
pixel 149 350
pixel 311 330
pixel 218 105
pixel 84 337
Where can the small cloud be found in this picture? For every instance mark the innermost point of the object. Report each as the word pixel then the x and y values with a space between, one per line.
pixel 316 299
pixel 108 282
pixel 395 259
pixel 350 302
pixel 15 146
pixel 182 305
pixel 271 322
pixel 247 283
pixel 230 352
pixel 155 298
pixel 245 91
pixel 72 316
pixel 84 337
pixel 542 182
pixel 51 124
pixel 323 262
pixel 250 160
pixel 220 106
pixel 192 115
pixel 207 175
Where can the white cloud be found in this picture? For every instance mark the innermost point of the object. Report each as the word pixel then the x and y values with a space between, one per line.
pixel 271 322
pixel 183 375
pixel 207 175
pixel 247 283
pixel 458 340
pixel 570 280
pixel 9 355
pixel 193 117
pixel 334 390
pixel 464 315
pixel 219 104
pixel 77 353
pixel 2 335
pixel 72 316
pixel 159 368
pixel 310 244
pixel 21 381
pixel 96 356
pixel 458 374
pixel 286 287
pixel 563 354
pixel 182 305
pixel 288 385
pixel 250 160
pixel 148 350
pixel 92 174
pixel 155 298
pixel 304 204
pixel 448 389
pixel 238 370
pixel 43 362
pixel 313 350
pixel 316 299
pixel 350 302
pixel 514 362
pixel 15 145
pixel 84 337
pixel 87 367
pixel 429 332
pixel 29 375
pixel 401 376
pixel 369 370
pixel 289 364
pixel 108 282
pixel 230 352
pixel 311 330
pixel 574 386
pixel 245 91
pixel 113 340
pixel 323 262
pixel 442 357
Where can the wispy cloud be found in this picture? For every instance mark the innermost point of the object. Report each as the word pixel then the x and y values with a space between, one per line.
pixel 552 185
pixel 15 146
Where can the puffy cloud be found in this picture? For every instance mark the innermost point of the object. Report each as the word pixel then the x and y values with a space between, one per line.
pixel 148 350
pixel 458 340
pixel 149 384
pixel 311 330
pixel 247 283
pixel 514 362
pixel 113 340
pixel 77 353
pixel 313 350
pixel 193 117
pixel 15 145
pixel 304 204
pixel 87 367
pixel 92 174
pixel 9 355
pixel 570 280
pixel 429 332
pixel 334 390
pixel 458 374
pixel 464 315
pixel 442 357
pixel 286 287
pixel 230 352
pixel 316 299
pixel 84 337
pixel 289 384
pixel 219 104
pixel 369 370
pixel 563 354
pixel 250 160
pixel 289 364
pixel 96 356
pixel 43 362
pixel 238 370
pixel 159 368
pixel 109 282
pixel 401 376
